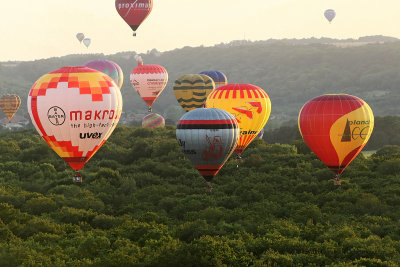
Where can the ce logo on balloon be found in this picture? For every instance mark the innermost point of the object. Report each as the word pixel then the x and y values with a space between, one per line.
pixel 360 133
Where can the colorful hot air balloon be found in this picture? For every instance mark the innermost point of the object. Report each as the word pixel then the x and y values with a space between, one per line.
pixel 87 42
pixel 80 36
pixel 336 128
pixel 134 12
pixel 108 67
pixel 153 120
pixel 191 90
pixel 9 104
pixel 260 134
pixel 75 110
pixel 149 81
pixel 207 137
pixel 330 14
pixel 249 104
pixel 218 77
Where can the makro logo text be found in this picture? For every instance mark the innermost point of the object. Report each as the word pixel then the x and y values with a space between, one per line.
pixel 88 115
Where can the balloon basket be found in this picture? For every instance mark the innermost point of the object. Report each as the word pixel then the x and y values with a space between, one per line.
pixel 239 160
pixel 150 109
pixel 77 177
pixel 134 34
pixel 209 187
pixel 337 181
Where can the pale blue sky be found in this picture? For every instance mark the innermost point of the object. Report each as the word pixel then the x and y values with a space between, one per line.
pixel 33 29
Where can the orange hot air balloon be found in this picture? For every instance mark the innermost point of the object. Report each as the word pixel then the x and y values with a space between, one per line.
pixel 75 110
pixel 336 128
pixel 249 104
pixel 9 104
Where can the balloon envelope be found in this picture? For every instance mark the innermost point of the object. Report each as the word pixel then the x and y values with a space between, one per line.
pixel 87 42
pixel 191 90
pixel 75 110
pixel 249 104
pixel 260 134
pixel 108 67
pixel 149 81
pixel 207 137
pixel 80 36
pixel 134 12
pixel 153 120
pixel 330 14
pixel 336 128
pixel 218 77
pixel 10 104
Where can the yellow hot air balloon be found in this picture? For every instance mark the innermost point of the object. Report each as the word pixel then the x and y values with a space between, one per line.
pixel 249 104
pixel 191 90
pixel 9 104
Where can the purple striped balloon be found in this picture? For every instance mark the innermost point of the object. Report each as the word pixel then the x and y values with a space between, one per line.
pixel 153 120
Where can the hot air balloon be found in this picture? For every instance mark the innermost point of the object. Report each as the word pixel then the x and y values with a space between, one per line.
pixel 260 134
pixel 336 128
pixel 9 104
pixel 108 67
pixel 75 110
pixel 249 104
pixel 218 77
pixel 87 42
pixel 207 137
pixel 80 36
pixel 153 120
pixel 134 12
pixel 149 81
pixel 330 14
pixel 191 90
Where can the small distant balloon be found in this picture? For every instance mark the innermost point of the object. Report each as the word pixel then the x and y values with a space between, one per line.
pixel 80 36
pixel 330 14
pixel 87 42
pixel 260 134
pixel 108 67
pixel 153 120
pixel 218 77
pixel 10 104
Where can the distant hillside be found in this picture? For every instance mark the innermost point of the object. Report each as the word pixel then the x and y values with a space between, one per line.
pixel 290 71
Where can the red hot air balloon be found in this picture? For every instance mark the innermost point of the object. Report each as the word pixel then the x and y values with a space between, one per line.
pixel 336 128
pixel 75 110
pixel 134 12
pixel 149 81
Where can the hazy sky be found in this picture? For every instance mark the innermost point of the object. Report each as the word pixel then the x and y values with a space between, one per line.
pixel 34 29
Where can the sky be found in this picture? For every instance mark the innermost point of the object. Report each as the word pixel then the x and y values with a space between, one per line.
pixel 36 29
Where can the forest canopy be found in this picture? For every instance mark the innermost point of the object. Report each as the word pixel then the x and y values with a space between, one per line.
pixel 142 203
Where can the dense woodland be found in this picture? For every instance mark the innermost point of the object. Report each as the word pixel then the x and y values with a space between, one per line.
pixel 386 132
pixel 290 71
pixel 142 203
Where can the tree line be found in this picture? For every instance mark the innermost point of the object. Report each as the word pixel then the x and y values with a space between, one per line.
pixel 142 203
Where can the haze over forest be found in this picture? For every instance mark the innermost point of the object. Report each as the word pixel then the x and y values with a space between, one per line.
pixel 290 71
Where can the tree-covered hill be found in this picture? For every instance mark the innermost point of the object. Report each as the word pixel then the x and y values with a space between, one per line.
pixel 291 72
pixel 141 203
